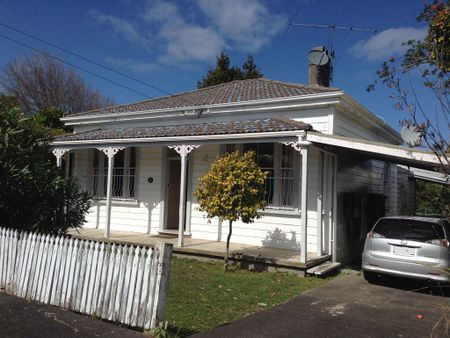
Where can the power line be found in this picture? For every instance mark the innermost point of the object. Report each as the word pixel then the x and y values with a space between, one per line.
pixel 73 66
pixel 83 58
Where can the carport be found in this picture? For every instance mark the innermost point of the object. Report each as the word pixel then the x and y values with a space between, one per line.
pixel 410 157
pixel 355 212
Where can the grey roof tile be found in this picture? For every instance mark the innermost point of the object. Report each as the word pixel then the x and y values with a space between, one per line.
pixel 207 128
pixel 231 92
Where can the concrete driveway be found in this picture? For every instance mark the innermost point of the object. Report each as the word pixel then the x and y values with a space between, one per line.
pixel 348 306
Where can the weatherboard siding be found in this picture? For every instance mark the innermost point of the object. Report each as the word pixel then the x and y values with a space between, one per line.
pixel 143 214
pixel 405 192
pixel 318 118
pixel 360 176
pixel 357 127
pixel 272 229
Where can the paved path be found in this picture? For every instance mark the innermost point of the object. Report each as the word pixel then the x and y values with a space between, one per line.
pixel 19 318
pixel 348 306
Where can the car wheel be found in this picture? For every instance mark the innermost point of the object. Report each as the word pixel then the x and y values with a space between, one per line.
pixel 370 276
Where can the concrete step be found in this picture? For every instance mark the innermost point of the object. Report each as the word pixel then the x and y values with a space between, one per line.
pixel 324 269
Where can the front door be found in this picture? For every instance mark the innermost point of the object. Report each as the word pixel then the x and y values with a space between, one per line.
pixel 173 194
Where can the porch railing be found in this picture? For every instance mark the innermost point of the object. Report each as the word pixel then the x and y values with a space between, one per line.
pixel 123 182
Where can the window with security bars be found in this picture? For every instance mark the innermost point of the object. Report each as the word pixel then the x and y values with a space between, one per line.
pixel 123 177
pixel 278 161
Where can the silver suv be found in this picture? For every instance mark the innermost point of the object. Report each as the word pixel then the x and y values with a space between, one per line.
pixel 416 247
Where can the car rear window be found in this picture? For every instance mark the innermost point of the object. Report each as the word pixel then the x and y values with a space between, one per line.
pixel 409 230
pixel 447 228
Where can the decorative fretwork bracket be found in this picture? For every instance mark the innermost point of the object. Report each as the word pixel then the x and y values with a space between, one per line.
pixel 59 153
pixel 111 151
pixel 296 145
pixel 184 149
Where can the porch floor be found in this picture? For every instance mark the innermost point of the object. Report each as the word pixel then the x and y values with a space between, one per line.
pixel 251 254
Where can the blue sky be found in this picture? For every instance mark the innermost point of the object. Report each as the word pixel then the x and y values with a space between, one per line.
pixel 170 44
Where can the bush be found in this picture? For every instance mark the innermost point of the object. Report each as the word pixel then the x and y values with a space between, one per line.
pixel 34 194
pixel 233 189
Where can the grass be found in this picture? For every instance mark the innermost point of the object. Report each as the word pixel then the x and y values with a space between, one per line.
pixel 202 296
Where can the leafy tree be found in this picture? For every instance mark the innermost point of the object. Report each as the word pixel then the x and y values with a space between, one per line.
pixel 232 189
pixel 250 70
pixel 431 59
pixel 51 119
pixel 34 194
pixel 40 82
pixel 432 198
pixel 223 72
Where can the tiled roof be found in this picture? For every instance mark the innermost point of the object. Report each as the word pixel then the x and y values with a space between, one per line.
pixel 207 128
pixel 231 92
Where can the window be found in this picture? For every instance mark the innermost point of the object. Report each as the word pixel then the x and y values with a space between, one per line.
pixel 68 164
pixel 124 174
pixel 412 230
pixel 278 161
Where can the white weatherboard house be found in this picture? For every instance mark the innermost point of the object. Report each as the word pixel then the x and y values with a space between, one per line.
pixel 332 164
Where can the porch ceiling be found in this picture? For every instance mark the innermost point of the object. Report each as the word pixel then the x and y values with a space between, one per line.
pixel 353 147
pixel 206 132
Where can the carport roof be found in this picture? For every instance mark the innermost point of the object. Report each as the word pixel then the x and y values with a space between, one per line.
pixel 347 146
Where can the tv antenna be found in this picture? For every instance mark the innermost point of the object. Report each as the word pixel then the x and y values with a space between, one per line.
pixel 331 30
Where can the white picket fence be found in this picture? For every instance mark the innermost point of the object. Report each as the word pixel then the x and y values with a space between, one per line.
pixel 127 284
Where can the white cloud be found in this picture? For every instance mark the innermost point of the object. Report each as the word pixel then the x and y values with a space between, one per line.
pixel 249 24
pixel 191 43
pixel 387 43
pixel 138 67
pixel 196 31
pixel 183 41
pixel 123 28
pixel 161 11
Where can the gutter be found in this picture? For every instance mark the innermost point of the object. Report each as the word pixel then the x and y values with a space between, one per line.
pixel 180 139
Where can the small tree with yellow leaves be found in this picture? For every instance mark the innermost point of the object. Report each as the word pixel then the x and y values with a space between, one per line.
pixel 233 189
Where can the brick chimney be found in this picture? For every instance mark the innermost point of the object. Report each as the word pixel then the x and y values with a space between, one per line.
pixel 319 67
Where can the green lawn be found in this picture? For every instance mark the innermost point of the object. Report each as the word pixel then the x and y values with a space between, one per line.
pixel 202 296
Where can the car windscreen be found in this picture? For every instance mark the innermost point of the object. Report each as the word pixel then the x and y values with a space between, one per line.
pixel 409 230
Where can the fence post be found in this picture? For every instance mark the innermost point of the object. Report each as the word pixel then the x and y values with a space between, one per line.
pixel 164 251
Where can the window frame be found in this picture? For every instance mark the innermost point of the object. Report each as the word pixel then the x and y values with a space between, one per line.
pixel 103 167
pixel 277 168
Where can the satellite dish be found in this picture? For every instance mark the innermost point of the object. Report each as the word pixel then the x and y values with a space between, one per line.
pixel 319 56
pixel 411 136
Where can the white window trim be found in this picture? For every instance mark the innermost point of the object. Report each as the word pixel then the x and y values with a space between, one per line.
pixel 277 168
pixel 116 201
pixel 274 211
pixel 101 167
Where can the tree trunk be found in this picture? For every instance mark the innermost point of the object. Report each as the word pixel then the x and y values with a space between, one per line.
pixel 225 261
